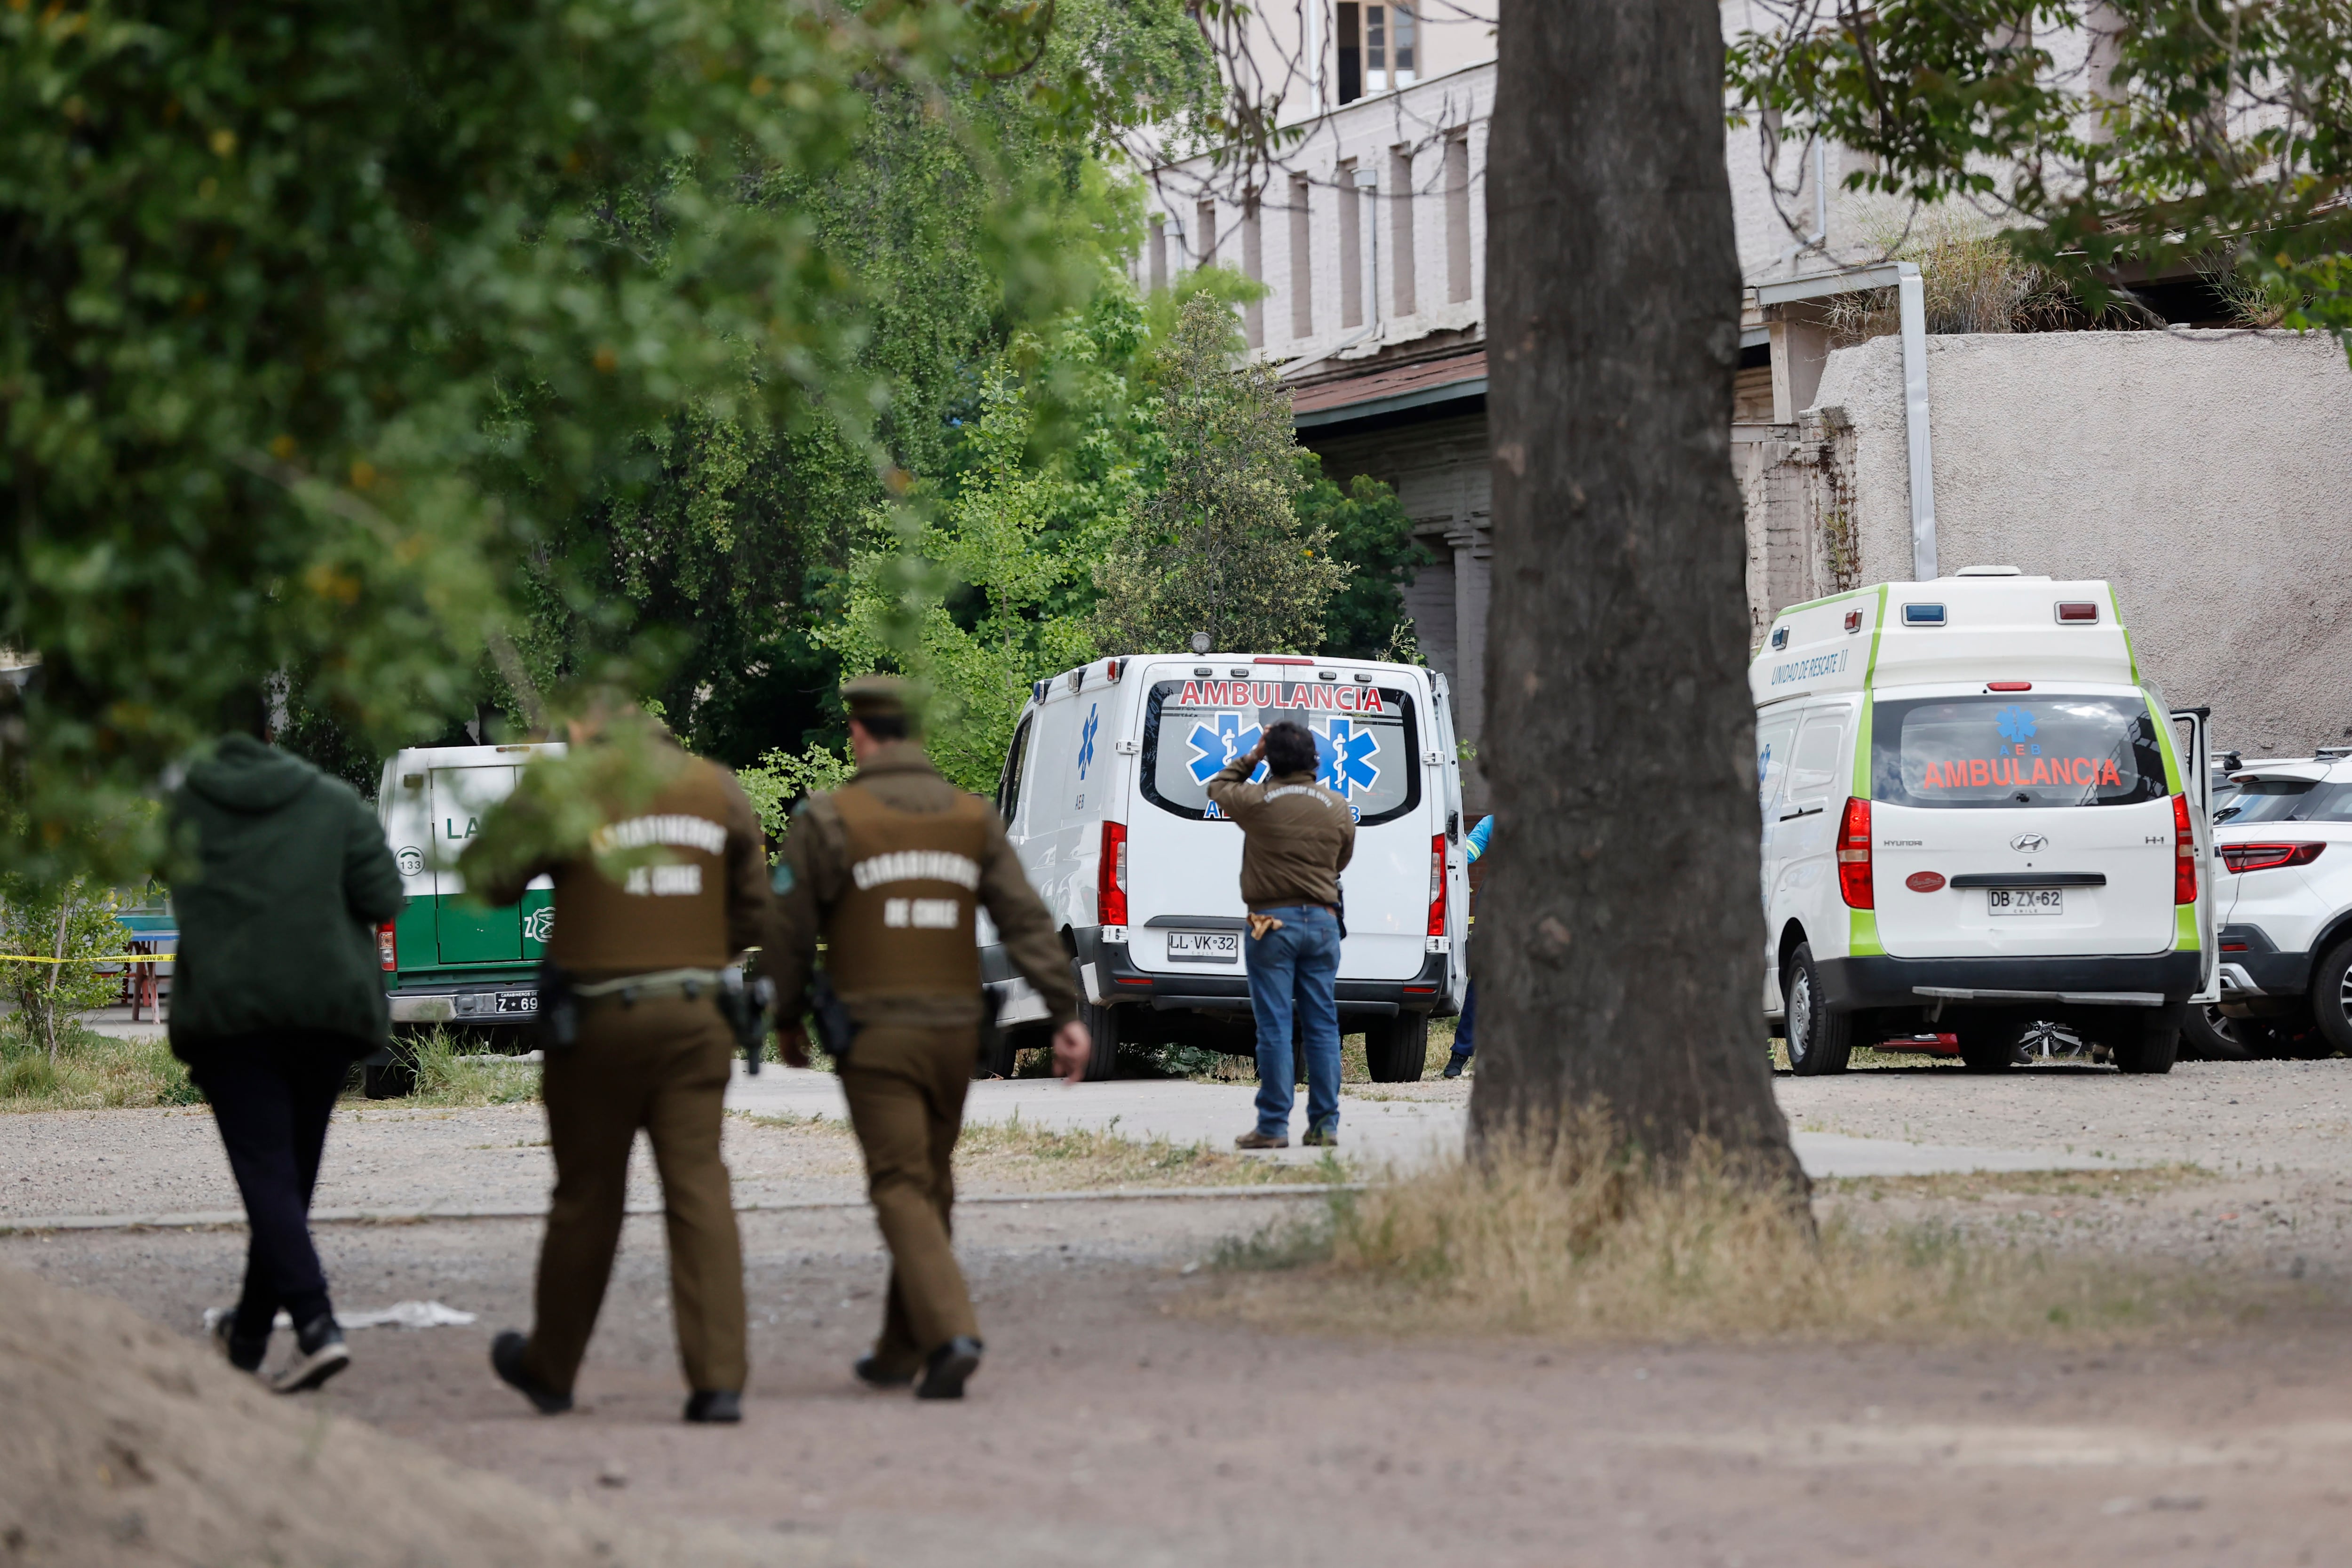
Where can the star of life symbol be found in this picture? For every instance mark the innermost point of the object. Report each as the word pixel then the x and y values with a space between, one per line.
pixel 2014 723
pixel 1217 745
pixel 1346 755
pixel 1086 741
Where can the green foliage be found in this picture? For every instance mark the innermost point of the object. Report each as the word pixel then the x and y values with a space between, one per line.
pixel 561 803
pixel 778 779
pixel 1372 537
pixel 992 592
pixel 1220 546
pixel 2196 132
pixel 72 925
pixel 90 1071
pixel 318 317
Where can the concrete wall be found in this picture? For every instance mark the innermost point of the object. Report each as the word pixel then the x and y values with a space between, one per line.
pixel 2207 475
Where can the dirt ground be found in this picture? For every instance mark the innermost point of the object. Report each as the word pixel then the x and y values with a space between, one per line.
pixel 1124 1416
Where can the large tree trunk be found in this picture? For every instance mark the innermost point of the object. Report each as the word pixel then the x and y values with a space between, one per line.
pixel 1620 943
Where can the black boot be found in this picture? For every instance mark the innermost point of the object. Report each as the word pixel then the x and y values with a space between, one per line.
pixel 505 1360
pixel 874 1375
pixel 716 1406
pixel 945 1369
pixel 319 1354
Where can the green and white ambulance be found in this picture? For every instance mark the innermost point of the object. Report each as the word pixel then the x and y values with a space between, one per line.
pixel 447 960
pixel 1978 815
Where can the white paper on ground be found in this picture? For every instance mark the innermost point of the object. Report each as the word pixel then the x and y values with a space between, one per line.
pixel 399 1315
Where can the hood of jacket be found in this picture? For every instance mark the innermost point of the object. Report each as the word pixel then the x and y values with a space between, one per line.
pixel 245 775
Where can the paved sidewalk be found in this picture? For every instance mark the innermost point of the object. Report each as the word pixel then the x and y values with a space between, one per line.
pixel 1402 1130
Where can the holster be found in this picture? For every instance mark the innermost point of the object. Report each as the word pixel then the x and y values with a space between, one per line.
pixel 747 1005
pixel 836 1031
pixel 559 1010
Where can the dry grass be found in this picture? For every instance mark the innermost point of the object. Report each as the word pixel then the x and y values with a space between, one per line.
pixel 995 1155
pixel 1585 1244
pixel 92 1072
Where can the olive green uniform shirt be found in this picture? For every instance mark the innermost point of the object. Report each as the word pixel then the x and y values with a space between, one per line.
pixel 1297 837
pixel 815 868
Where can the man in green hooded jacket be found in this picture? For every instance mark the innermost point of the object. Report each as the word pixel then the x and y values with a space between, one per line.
pixel 278 990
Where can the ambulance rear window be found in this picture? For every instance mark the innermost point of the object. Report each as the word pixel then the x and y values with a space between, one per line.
pixel 1365 740
pixel 1997 751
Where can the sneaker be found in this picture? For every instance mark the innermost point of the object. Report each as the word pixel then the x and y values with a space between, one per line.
pixel 945 1369
pixel 1254 1139
pixel 715 1406
pixel 1454 1065
pixel 873 1374
pixel 241 1352
pixel 505 1360
pixel 1323 1137
pixel 319 1354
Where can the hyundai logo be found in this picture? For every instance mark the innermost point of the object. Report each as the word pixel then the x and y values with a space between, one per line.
pixel 2029 844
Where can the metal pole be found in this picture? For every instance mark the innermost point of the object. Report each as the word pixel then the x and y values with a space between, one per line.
pixel 1913 309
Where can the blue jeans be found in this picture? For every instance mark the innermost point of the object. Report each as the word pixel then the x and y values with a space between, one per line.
pixel 1465 1033
pixel 1297 970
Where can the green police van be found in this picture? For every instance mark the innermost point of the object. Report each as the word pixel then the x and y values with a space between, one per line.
pixel 447 960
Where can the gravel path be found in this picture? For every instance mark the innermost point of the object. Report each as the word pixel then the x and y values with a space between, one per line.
pixel 2224 1115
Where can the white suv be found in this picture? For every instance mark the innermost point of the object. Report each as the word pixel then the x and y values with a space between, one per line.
pixel 2285 906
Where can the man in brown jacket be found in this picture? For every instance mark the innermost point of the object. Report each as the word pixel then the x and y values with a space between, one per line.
pixel 1296 837
pixel 671 889
pixel 889 869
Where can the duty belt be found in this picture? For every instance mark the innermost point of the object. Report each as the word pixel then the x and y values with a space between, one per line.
pixel 687 983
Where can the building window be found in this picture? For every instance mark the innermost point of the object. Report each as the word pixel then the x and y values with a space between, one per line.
pixel 1159 248
pixel 1352 53
pixel 1400 227
pixel 1457 216
pixel 1352 249
pixel 1204 218
pixel 1302 257
pixel 1253 267
pixel 1376 48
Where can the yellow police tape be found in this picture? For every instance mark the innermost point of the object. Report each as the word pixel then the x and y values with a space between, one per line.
pixel 103 958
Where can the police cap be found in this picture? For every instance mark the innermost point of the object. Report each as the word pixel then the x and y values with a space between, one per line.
pixel 875 697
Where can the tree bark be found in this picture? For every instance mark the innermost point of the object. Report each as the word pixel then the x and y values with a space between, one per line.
pixel 1620 943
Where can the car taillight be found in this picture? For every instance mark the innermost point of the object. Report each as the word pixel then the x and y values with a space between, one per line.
pixel 387 946
pixel 1437 885
pixel 2264 857
pixel 2184 853
pixel 1853 856
pixel 1110 877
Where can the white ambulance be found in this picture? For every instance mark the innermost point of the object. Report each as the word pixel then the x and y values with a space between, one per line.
pixel 1977 815
pixel 1105 795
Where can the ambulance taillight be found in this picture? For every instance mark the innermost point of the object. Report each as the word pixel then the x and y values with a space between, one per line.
pixel 1110 877
pixel 1853 856
pixel 1437 885
pixel 2184 853
pixel 387 947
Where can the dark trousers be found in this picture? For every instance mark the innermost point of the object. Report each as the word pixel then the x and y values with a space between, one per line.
pixel 906 1089
pixel 1465 1033
pixel 661 1065
pixel 271 1098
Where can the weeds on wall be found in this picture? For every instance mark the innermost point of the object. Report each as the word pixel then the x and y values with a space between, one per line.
pixel 1970 281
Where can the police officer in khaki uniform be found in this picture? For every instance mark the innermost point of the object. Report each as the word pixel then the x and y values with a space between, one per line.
pixel 642 946
pixel 889 869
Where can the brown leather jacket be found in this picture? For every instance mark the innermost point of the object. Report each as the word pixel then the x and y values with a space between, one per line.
pixel 1297 837
pixel 815 877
